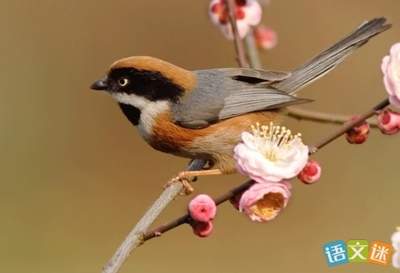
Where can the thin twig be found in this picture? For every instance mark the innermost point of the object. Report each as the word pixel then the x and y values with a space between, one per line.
pixel 186 218
pixel 135 237
pixel 240 52
pixel 350 125
pixel 302 114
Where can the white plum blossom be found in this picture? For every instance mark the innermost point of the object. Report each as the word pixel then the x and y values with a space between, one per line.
pixel 391 74
pixel 270 154
pixel 396 247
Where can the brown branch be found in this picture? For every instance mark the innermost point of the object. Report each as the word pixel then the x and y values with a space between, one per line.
pixel 186 218
pixel 342 130
pixel 135 237
pixel 240 52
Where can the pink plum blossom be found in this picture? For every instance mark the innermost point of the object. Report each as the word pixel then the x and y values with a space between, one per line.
pixel 262 202
pixel 270 154
pixel 248 13
pixel 202 208
pixel 310 173
pixel 396 246
pixel 388 121
pixel 391 74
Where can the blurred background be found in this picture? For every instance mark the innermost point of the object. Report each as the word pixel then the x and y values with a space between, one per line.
pixel 75 176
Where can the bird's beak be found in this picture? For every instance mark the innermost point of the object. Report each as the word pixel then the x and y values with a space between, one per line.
pixel 101 84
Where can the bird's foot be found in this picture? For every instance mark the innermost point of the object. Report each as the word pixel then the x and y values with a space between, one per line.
pixel 312 150
pixel 184 179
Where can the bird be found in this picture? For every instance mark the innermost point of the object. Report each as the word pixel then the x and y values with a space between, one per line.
pixel 201 114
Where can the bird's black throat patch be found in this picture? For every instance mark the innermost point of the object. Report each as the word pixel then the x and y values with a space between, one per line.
pixel 151 85
pixel 131 112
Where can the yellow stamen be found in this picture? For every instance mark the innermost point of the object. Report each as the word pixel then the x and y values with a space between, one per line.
pixel 279 137
pixel 269 205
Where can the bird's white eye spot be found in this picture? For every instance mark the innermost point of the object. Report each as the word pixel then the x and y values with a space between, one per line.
pixel 123 81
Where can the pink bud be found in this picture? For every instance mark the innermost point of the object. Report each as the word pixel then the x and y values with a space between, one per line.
pixel 359 133
pixel 265 37
pixel 388 121
pixel 202 229
pixel 311 172
pixel 202 208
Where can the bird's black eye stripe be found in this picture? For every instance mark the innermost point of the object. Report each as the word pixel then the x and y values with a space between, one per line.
pixel 152 85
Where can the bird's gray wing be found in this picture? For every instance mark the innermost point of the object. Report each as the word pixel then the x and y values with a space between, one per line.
pixel 251 75
pixel 230 92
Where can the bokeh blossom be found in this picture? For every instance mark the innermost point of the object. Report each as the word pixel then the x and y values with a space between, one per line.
pixel 262 202
pixel 266 38
pixel 359 133
pixel 396 246
pixel 248 13
pixel 202 208
pixel 391 74
pixel 388 121
pixel 310 173
pixel 270 154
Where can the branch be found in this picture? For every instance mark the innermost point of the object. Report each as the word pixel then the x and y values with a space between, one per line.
pixel 186 218
pixel 302 114
pixel 135 237
pixel 342 130
pixel 240 52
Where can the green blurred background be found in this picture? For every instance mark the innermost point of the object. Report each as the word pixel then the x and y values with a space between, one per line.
pixel 76 177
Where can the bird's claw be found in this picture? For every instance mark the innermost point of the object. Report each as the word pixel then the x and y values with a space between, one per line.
pixel 181 177
pixel 312 150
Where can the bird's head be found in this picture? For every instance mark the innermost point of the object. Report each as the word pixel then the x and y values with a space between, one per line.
pixel 140 78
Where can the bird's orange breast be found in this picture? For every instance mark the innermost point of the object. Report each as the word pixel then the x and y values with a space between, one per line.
pixel 215 142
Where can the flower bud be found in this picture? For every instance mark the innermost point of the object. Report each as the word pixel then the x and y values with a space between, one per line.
pixel 388 121
pixel 359 133
pixel 202 208
pixel 202 229
pixel 311 172
pixel 265 37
